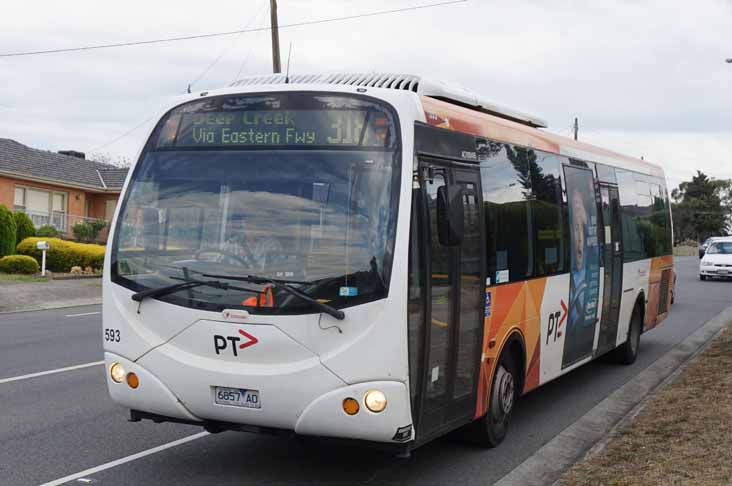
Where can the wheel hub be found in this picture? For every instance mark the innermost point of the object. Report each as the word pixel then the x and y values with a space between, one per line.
pixel 503 393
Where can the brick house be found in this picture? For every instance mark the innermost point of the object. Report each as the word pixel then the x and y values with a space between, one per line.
pixel 59 189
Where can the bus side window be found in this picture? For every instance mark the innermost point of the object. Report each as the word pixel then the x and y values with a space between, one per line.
pixel 550 231
pixel 504 171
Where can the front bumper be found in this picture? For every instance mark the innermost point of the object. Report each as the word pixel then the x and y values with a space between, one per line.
pixel 715 272
pixel 307 400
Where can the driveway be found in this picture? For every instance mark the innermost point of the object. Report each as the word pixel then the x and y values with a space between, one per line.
pixel 24 296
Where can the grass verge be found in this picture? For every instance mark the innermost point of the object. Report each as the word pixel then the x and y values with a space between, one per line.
pixel 10 277
pixel 682 436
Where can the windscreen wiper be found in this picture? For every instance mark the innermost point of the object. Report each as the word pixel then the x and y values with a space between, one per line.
pixel 184 285
pixel 283 285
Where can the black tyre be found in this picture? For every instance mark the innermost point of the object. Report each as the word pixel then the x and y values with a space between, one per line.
pixel 702 277
pixel 491 429
pixel 628 352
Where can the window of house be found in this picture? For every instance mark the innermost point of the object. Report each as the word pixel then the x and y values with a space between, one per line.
pixel 59 202
pixel 43 207
pixel 109 206
pixel 38 201
pixel 19 199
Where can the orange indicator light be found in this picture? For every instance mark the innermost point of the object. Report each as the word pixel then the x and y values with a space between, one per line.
pixel 132 380
pixel 350 406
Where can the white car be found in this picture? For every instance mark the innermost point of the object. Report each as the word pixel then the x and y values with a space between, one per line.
pixel 717 261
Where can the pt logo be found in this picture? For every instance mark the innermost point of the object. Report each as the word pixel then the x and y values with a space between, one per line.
pixel 223 342
pixel 556 319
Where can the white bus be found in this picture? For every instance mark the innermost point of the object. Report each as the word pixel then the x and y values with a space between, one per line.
pixel 371 257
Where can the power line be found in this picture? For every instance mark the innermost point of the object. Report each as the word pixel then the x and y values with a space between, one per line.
pixel 233 32
pixel 227 48
pixel 115 140
pixel 251 45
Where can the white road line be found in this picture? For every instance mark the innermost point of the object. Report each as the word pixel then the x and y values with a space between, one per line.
pixel 50 372
pixel 84 314
pixel 125 460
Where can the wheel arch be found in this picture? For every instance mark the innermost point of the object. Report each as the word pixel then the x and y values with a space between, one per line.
pixel 516 346
pixel 640 301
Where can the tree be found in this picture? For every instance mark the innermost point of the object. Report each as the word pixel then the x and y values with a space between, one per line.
pixel 702 208
pixel 24 227
pixel 87 231
pixel 118 161
pixel 7 232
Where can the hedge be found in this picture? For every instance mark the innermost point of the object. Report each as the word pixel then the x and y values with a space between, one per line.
pixel 62 254
pixel 7 232
pixel 24 227
pixel 18 264
pixel 47 231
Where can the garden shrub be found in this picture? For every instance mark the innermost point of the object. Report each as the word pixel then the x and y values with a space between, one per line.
pixel 24 227
pixel 62 255
pixel 7 232
pixel 47 231
pixel 18 264
pixel 87 231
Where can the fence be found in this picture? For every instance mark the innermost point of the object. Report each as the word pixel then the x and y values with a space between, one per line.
pixel 64 222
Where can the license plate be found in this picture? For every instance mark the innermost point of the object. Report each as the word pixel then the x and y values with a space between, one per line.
pixel 723 271
pixel 237 397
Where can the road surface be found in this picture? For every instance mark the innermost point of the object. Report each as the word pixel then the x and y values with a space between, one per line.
pixel 59 424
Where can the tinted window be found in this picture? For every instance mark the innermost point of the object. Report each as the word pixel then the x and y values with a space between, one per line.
pixel 632 240
pixel 549 214
pixel 506 182
pixel 645 216
pixel 606 173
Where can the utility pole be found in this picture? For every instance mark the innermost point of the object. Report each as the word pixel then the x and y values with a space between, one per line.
pixel 576 127
pixel 276 67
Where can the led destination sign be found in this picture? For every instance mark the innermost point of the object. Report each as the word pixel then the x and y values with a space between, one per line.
pixel 288 128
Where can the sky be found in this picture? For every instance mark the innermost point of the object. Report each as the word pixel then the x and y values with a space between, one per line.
pixel 645 77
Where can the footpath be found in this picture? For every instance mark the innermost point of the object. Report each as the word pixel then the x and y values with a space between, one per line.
pixel 682 434
pixel 26 296
pixel 670 424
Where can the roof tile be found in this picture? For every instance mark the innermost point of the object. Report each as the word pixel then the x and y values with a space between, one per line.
pixel 18 158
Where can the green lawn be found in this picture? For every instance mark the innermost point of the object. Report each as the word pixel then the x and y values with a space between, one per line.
pixel 8 277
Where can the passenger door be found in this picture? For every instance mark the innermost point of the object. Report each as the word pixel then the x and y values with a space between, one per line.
pixel 613 256
pixel 454 303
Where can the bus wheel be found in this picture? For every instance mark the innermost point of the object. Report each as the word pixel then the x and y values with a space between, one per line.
pixel 491 429
pixel 628 352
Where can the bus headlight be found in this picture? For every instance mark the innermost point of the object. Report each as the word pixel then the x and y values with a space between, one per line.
pixel 117 372
pixel 375 401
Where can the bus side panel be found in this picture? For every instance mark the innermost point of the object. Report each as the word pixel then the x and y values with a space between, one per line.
pixel 635 283
pixel 510 308
pixel 660 287
pixel 554 318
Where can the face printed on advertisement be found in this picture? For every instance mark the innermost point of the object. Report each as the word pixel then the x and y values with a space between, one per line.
pixel 579 222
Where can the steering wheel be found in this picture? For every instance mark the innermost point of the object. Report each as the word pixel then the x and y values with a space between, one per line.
pixel 223 253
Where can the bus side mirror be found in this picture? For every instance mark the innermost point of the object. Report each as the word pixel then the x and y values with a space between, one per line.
pixel 151 228
pixel 450 227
